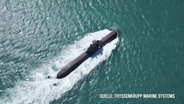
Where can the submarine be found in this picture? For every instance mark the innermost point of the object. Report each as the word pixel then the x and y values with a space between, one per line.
pixel 91 50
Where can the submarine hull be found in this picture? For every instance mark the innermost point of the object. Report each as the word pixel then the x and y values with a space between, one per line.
pixel 85 55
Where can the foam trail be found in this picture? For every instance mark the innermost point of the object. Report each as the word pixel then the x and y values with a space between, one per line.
pixel 38 89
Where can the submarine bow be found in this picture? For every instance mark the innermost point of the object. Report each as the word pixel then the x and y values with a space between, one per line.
pixel 92 49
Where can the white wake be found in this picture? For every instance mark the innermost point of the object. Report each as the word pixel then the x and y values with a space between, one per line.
pixel 38 89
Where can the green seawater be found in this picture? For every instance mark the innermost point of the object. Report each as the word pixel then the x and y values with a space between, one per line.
pixel 148 59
